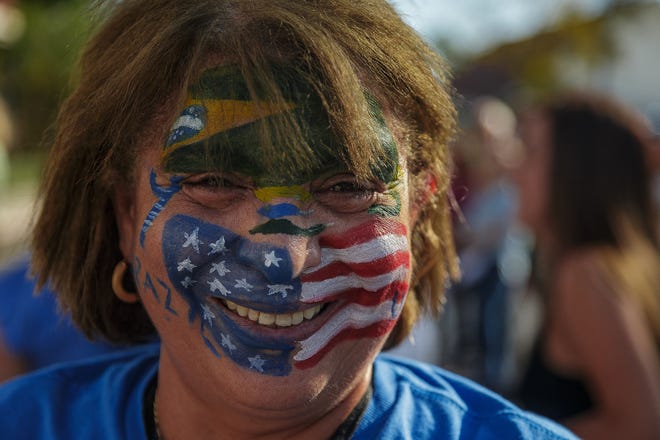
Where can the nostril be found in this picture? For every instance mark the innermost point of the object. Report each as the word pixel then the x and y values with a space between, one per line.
pixel 312 255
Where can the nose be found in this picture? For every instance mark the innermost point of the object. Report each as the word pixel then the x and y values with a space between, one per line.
pixel 282 258
pixel 312 254
pixel 292 230
pixel 304 251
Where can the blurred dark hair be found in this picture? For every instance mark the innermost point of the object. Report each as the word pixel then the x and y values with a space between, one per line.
pixel 599 174
pixel 601 194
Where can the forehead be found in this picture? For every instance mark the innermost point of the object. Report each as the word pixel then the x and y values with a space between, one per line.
pixel 263 128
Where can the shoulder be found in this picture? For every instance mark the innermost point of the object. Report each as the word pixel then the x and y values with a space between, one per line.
pixel 85 399
pixel 588 287
pixel 416 400
pixel 585 263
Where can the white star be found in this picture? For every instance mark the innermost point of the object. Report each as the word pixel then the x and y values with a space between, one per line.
pixel 207 314
pixel 219 268
pixel 217 285
pixel 186 265
pixel 226 342
pixel 279 288
pixel 192 240
pixel 270 258
pixel 218 247
pixel 257 363
pixel 243 284
pixel 187 282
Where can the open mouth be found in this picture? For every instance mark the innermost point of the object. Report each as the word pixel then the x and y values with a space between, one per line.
pixel 274 319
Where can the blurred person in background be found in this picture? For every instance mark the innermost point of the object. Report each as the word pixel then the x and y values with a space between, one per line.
pixel 584 190
pixel 33 334
pixel 478 309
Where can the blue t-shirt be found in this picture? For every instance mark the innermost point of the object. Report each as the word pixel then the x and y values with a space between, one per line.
pixel 414 400
pixel 103 398
pixel 32 327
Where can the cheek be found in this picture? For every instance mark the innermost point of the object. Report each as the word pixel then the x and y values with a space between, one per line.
pixel 366 271
pixel 204 265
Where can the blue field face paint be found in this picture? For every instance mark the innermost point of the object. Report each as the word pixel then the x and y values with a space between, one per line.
pixel 164 194
pixel 189 124
pixel 280 210
pixel 205 263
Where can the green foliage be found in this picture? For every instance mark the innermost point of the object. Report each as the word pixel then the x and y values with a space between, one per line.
pixel 34 72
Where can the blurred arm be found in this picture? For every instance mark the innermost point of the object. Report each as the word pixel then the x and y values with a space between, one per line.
pixel 613 346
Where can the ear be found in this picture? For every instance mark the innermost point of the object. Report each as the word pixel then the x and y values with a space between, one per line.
pixel 424 188
pixel 124 207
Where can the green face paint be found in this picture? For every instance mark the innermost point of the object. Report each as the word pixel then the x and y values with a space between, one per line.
pixel 388 210
pixel 221 129
pixel 268 193
pixel 388 168
pixel 284 226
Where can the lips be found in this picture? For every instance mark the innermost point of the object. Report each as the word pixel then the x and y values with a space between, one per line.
pixel 273 319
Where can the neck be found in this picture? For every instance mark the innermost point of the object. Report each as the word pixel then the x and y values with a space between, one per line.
pixel 197 411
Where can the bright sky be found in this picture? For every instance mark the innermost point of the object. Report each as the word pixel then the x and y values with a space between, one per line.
pixel 474 25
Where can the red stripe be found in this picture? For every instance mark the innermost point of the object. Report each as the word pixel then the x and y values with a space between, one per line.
pixel 374 330
pixel 370 298
pixel 363 233
pixel 368 269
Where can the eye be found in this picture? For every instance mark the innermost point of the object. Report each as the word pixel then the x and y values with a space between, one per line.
pixel 215 189
pixel 210 182
pixel 349 187
pixel 343 193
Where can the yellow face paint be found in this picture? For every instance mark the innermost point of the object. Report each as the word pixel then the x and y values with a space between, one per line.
pixel 268 193
pixel 227 127
pixel 216 116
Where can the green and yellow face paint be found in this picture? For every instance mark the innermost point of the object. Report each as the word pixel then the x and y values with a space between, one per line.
pixel 229 129
pixel 221 129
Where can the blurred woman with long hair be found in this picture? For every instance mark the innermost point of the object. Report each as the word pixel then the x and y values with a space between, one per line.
pixel 585 193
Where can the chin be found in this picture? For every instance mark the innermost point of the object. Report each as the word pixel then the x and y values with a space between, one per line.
pixel 332 378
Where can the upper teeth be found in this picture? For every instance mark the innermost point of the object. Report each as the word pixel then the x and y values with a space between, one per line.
pixel 278 319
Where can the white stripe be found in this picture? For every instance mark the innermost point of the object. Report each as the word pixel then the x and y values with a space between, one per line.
pixel 371 250
pixel 353 316
pixel 318 290
pixel 188 122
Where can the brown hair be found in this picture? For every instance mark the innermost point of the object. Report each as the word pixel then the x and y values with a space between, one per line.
pixel 600 191
pixel 133 75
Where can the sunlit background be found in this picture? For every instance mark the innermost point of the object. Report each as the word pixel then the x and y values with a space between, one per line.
pixel 515 50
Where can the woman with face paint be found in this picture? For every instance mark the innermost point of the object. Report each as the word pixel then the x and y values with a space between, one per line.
pixel 585 192
pixel 263 185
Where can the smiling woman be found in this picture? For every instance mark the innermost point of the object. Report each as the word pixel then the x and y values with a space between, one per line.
pixel 275 175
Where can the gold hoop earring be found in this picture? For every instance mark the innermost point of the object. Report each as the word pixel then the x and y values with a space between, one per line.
pixel 118 284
